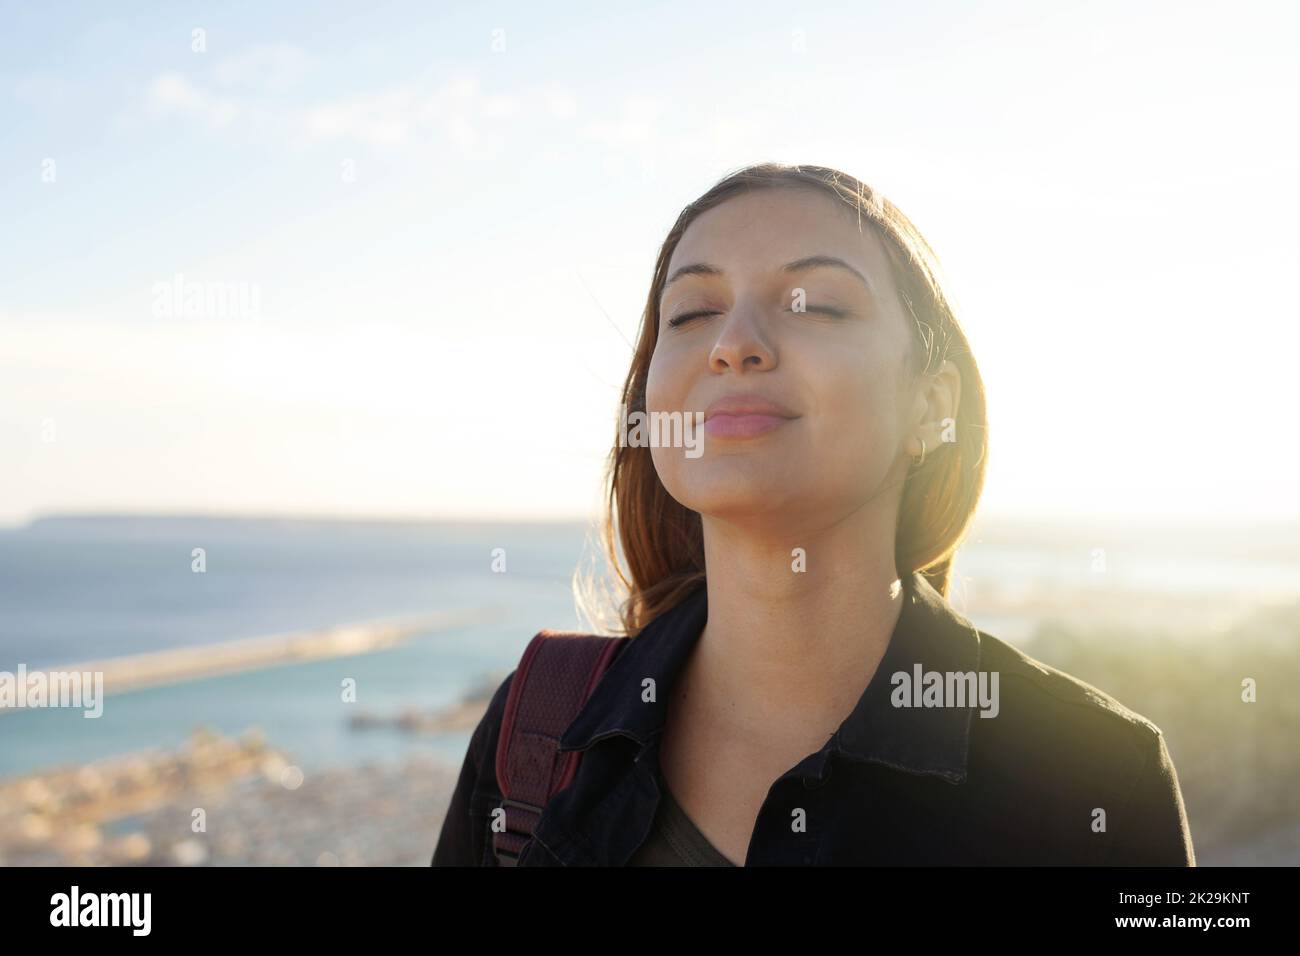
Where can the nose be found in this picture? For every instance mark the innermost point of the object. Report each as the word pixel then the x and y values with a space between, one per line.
pixel 742 345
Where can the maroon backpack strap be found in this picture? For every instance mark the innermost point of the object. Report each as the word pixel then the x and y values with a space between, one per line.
pixel 556 675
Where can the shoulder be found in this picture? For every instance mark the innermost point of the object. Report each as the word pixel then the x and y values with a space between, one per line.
pixel 1077 764
pixel 1074 734
pixel 541 681
pixel 1035 690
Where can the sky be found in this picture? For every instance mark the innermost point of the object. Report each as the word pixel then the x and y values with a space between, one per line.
pixel 422 236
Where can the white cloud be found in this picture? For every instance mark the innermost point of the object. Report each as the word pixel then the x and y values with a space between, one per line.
pixel 635 128
pixel 399 114
pixel 561 104
pixel 173 93
pixel 453 109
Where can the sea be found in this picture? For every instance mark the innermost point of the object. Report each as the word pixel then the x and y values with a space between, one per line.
pixel 84 588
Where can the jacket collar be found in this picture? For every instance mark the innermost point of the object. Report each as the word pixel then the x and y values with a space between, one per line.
pixel 923 740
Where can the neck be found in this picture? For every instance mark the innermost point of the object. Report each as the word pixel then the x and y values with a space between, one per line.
pixel 789 652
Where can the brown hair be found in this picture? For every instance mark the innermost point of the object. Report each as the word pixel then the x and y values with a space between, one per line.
pixel 662 541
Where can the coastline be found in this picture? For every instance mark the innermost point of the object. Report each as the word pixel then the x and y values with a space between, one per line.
pixel 177 665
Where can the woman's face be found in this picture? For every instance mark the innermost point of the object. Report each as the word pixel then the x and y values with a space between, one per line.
pixel 823 404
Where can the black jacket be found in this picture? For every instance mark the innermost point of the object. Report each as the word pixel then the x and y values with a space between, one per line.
pixel 1062 774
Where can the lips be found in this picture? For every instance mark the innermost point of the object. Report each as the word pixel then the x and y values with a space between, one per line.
pixel 745 416
pixel 747 405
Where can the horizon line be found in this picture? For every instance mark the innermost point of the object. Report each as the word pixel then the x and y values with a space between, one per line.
pixel 981 516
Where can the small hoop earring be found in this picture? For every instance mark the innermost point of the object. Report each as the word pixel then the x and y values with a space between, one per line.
pixel 919 461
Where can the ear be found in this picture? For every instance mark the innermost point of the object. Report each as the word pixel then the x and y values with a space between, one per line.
pixel 935 409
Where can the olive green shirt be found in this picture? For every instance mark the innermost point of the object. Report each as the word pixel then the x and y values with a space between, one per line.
pixel 674 840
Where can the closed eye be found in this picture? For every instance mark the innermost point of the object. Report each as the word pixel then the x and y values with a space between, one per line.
pixel 688 316
pixel 825 310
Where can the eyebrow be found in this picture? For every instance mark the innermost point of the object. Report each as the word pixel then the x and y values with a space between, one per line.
pixel 798 265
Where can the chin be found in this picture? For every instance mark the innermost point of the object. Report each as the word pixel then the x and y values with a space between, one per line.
pixel 733 498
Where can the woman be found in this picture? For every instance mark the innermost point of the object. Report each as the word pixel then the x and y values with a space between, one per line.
pixel 796 688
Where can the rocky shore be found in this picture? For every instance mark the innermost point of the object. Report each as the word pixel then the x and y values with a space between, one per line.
pixel 220 801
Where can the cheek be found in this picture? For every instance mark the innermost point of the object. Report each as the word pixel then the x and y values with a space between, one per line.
pixel 662 393
pixel 667 467
pixel 662 382
pixel 858 421
pixel 857 391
